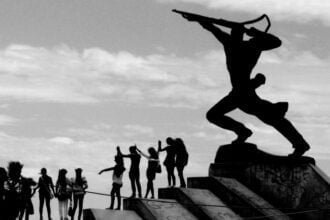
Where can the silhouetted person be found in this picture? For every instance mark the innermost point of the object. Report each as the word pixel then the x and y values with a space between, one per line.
pixel 63 193
pixel 134 171
pixel 169 161
pixel 181 159
pixel 46 192
pixel 153 163
pixel 13 187
pixel 27 194
pixel 79 186
pixel 3 179
pixel 241 58
pixel 117 180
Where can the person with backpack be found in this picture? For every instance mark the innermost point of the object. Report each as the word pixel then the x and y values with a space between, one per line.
pixel 46 192
pixel 63 193
pixel 79 186
pixel 117 179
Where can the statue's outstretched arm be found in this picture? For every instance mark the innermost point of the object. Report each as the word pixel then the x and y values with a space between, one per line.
pixel 217 32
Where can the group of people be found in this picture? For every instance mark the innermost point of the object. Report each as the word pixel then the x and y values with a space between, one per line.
pixel 177 157
pixel 16 192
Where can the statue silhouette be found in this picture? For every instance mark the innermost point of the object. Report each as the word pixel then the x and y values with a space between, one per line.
pixel 241 58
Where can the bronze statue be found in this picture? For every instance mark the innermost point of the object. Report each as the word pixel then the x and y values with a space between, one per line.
pixel 241 58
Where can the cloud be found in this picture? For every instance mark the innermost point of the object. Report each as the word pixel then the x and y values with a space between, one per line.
pixel 299 11
pixel 7 120
pixel 65 75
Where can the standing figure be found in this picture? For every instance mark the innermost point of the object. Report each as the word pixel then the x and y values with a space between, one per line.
pixel 13 187
pixel 46 192
pixel 241 57
pixel 3 179
pixel 117 180
pixel 27 194
pixel 79 186
pixel 153 165
pixel 169 161
pixel 181 160
pixel 63 193
pixel 134 171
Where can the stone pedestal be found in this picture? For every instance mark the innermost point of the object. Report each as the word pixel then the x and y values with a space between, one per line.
pixel 292 185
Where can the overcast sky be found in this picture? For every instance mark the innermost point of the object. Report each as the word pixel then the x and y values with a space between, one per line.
pixel 79 77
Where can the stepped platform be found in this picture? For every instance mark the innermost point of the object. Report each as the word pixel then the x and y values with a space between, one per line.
pixel 156 209
pixel 201 202
pixel 293 185
pixel 241 200
pixel 243 183
pixel 105 214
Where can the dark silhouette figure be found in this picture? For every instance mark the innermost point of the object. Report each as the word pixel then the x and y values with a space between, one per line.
pixel 117 179
pixel 134 171
pixel 79 186
pixel 181 159
pixel 27 194
pixel 153 166
pixel 46 192
pixel 3 179
pixel 63 193
pixel 13 189
pixel 241 58
pixel 169 161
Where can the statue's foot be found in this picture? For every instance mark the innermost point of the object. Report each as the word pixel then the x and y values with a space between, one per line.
pixel 242 137
pixel 299 151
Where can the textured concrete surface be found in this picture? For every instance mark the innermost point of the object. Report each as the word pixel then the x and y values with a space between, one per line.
pixel 159 209
pixel 291 185
pixel 102 214
pixel 201 202
pixel 241 199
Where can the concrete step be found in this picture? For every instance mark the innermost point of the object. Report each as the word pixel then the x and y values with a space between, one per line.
pixel 201 202
pixel 153 209
pixel 241 199
pixel 105 214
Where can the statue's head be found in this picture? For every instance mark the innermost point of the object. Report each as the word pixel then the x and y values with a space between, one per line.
pixel 237 33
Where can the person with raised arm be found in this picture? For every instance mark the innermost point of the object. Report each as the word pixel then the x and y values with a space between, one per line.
pixel 117 180
pixel 152 169
pixel 169 161
pixel 134 171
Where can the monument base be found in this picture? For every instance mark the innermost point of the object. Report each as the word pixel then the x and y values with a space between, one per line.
pixel 292 185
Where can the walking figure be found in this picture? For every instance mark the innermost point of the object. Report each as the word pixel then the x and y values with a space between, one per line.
pixel 241 58
pixel 134 171
pixel 117 179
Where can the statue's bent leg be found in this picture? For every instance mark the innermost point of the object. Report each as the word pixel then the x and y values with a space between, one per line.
pixel 286 128
pixel 216 115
